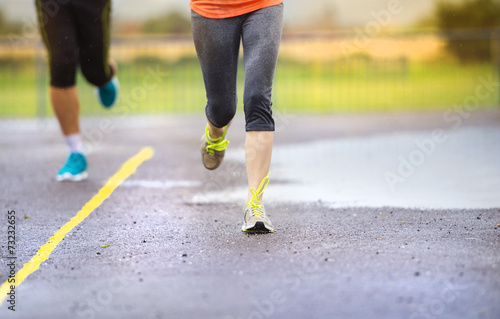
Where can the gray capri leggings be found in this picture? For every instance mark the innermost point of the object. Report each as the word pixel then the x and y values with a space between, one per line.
pixel 217 43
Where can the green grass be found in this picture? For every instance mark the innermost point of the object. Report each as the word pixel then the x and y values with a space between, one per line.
pixel 356 86
pixel 379 87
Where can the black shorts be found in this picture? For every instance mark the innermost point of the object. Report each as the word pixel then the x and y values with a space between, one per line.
pixel 76 32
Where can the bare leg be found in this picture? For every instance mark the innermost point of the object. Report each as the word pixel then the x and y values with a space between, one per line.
pixel 113 65
pixel 67 108
pixel 258 151
pixel 66 105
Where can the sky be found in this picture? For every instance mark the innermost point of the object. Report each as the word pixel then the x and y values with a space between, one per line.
pixel 297 12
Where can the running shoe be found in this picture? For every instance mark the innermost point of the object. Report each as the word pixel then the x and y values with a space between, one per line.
pixel 74 170
pixel 213 150
pixel 255 219
pixel 108 93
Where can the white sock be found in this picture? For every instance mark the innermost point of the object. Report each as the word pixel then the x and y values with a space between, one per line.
pixel 74 142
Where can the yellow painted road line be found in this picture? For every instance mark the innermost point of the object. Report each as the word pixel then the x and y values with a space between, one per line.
pixel 127 169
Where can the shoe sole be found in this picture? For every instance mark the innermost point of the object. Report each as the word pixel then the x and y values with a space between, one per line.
pixel 72 178
pixel 259 227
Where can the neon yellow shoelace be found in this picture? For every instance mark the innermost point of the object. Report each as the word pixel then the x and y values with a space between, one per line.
pixel 219 144
pixel 254 202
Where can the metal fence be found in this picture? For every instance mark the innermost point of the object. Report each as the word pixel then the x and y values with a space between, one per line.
pixel 349 72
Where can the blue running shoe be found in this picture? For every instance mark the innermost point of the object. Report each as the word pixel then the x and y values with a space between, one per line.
pixel 74 170
pixel 108 93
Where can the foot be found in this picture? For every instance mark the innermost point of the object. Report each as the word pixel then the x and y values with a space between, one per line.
pixel 213 150
pixel 108 93
pixel 255 219
pixel 74 170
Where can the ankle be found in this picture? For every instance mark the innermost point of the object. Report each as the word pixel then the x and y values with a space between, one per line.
pixel 74 143
pixel 215 133
pixel 250 198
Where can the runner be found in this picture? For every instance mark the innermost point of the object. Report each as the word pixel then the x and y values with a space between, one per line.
pixel 76 32
pixel 218 28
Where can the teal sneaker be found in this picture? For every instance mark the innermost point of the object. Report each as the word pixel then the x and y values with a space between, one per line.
pixel 74 170
pixel 108 93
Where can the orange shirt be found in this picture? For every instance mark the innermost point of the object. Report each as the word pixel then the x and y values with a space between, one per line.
pixel 220 9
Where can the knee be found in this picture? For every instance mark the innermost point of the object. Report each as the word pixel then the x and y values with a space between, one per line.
pixel 220 113
pixel 96 76
pixel 63 69
pixel 258 112
pixel 257 102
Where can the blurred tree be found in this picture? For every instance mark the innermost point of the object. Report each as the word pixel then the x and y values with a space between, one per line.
pixel 7 27
pixel 171 23
pixel 3 23
pixel 326 20
pixel 467 15
pixel 426 22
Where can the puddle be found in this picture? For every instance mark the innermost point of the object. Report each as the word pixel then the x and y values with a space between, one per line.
pixel 461 169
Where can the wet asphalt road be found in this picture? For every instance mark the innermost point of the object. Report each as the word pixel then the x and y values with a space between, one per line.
pixel 171 258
